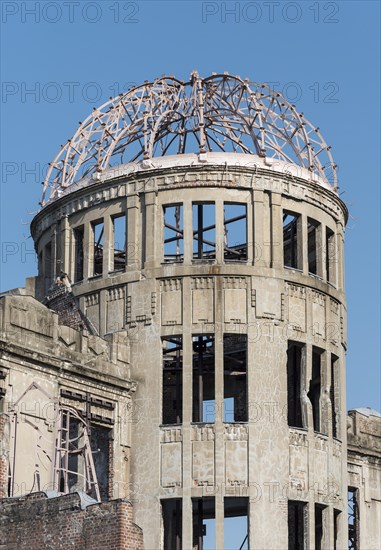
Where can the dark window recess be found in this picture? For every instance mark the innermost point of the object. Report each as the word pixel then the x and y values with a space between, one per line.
pixel 235 378
pixel 290 240
pixel 336 526
pixel 100 445
pixel 353 520
pixel 172 520
pixel 315 387
pixel 334 394
pixel 74 443
pixel 235 232
pixel 98 232
pixel 203 379
pixel 204 524
pixel 119 242
pixel 204 231
pixel 312 229
pixel 173 233
pixel 172 380
pixel 236 524
pixel 294 380
pixel 319 510
pixel 297 520
pixel 78 253
pixel 330 254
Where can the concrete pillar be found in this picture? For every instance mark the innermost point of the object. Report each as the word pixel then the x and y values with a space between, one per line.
pixel 276 231
pixel 151 229
pixel 108 246
pixel 133 252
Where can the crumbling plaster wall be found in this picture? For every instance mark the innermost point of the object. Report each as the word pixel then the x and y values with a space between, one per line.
pixel 44 364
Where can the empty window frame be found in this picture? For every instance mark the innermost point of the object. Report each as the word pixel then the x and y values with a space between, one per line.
pixel 172 380
pixel 291 239
pixel 353 519
pixel 78 253
pixel 76 467
pixel 319 526
pixel 235 378
pixel 295 361
pixel 235 232
pixel 204 405
pixel 118 242
pixel 236 523
pixel 315 387
pixel 330 255
pixel 100 439
pixel 334 395
pixel 297 525
pixel 313 232
pixel 204 231
pixel 98 239
pixel 171 510
pixel 204 523
pixel 173 233
pixel 336 528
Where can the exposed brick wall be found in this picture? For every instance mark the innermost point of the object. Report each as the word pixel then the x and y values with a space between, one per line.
pixel 61 300
pixel 38 523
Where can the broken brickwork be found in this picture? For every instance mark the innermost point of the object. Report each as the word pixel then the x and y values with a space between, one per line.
pixel 40 523
pixel 61 300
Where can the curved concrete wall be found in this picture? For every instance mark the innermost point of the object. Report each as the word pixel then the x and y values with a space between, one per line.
pixel 152 297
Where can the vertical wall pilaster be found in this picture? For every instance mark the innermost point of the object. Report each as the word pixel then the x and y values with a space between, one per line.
pixel 276 231
pixel 132 228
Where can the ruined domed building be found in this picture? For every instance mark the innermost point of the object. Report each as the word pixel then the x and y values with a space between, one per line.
pixel 174 377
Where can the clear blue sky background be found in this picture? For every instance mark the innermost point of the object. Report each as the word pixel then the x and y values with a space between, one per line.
pixel 323 55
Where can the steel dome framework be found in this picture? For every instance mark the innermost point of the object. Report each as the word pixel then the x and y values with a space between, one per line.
pixel 167 116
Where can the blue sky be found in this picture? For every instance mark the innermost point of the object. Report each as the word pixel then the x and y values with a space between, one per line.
pixel 324 56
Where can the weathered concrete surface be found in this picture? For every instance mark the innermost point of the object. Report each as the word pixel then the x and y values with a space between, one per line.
pixel 45 365
pixel 364 472
pixel 262 459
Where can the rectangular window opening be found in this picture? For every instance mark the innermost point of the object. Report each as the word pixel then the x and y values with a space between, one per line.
pixel 330 254
pixel 235 232
pixel 173 233
pixel 172 521
pixel 315 387
pixel 312 231
pixel 98 234
pixel 172 380
pixel 334 394
pixel 290 240
pixel 204 406
pixel 78 253
pixel 204 231
pixel 353 520
pixel 319 516
pixel 236 523
pixel 294 381
pixel 119 242
pixel 100 439
pixel 297 520
pixel 204 523
pixel 235 378
pixel 336 528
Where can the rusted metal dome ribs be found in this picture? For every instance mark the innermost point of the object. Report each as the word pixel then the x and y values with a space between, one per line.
pixel 168 117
